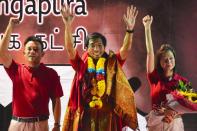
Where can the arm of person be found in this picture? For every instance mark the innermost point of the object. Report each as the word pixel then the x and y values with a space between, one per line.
pixel 129 19
pixel 147 21
pixel 4 53
pixel 68 18
pixel 56 105
pixel 169 115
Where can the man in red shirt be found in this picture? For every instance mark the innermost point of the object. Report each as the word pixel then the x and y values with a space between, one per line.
pixel 101 98
pixel 33 85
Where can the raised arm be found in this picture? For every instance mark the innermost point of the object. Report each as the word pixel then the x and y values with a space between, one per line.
pixel 68 18
pixel 4 54
pixel 129 19
pixel 150 65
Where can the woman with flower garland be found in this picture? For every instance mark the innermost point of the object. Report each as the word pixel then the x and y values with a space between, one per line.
pixel 163 80
pixel 96 102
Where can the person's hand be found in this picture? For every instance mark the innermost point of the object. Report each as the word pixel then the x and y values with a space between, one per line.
pixel 67 15
pixel 159 109
pixel 147 21
pixel 130 17
pixel 55 128
pixel 13 21
pixel 169 115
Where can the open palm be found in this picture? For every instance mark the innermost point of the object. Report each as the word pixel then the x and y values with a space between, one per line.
pixel 130 17
pixel 67 15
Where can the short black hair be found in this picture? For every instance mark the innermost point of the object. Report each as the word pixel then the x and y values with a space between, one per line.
pixel 35 39
pixel 95 36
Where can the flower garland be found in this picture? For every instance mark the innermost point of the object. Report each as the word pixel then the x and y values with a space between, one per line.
pixel 98 83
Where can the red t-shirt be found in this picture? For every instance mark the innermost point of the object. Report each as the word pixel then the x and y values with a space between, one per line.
pixel 160 86
pixel 32 89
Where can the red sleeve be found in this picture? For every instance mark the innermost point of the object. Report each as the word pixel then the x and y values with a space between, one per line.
pixel 153 76
pixel 120 60
pixel 56 90
pixel 12 70
pixel 77 62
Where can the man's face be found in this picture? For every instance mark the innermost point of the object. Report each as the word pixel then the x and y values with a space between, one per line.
pixel 33 53
pixel 96 48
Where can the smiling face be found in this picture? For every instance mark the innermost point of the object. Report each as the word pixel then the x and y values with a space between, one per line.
pixel 96 48
pixel 33 53
pixel 167 61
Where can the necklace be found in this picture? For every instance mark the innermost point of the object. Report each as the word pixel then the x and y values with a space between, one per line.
pixel 98 83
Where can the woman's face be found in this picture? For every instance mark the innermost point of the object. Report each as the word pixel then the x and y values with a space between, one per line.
pixel 167 61
pixel 96 48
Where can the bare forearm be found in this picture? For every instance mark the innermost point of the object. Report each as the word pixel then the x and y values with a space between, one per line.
pixel 129 19
pixel 150 52
pixel 149 43
pixel 69 42
pixel 56 110
pixel 4 54
pixel 147 21
pixel 68 17
pixel 126 46
pixel 56 113
pixel 5 40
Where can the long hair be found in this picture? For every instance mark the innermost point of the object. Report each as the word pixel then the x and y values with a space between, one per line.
pixel 162 50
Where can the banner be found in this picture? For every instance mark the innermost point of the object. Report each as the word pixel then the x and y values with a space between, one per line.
pixel 43 19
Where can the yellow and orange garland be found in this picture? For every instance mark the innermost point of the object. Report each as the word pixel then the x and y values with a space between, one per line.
pixel 98 83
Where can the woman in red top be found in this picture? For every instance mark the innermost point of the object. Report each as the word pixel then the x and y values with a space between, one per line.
pixel 162 79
